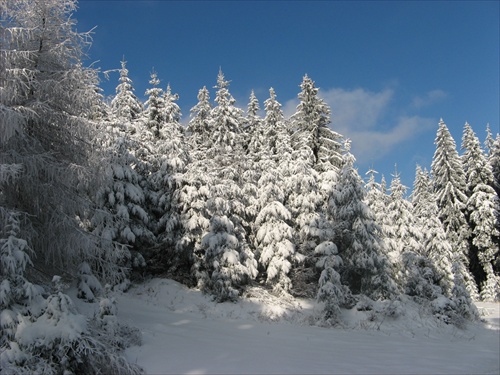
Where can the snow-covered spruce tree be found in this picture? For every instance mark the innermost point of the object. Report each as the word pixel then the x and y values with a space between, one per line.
pixel 304 200
pixel 227 200
pixel 125 105
pixel 431 275
pixel 435 244
pixel 225 120
pixel 222 253
pixel 494 161
pixel 482 215
pixel 222 197
pixel 271 143
pixel 314 162
pixel 120 220
pixel 274 125
pixel 475 164
pixel 257 159
pixel 271 232
pixel 252 118
pixel 154 111
pixel 310 127
pixel 253 128
pixel 198 128
pixel 164 156
pixel 273 240
pixel 330 288
pixel 489 141
pixel 192 196
pixel 194 217
pixel 450 186
pixel 302 194
pixel 171 110
pixel 403 235
pixel 171 159
pixel 376 197
pixel 365 269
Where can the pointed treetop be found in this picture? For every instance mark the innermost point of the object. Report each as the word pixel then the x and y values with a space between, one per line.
pixel 397 189
pixel 253 105
pixel 154 78
pixel 489 141
pixel 221 81
pixel 396 173
pixel 371 171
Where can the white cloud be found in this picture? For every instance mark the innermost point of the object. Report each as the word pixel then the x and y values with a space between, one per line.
pixel 429 98
pixel 359 108
pixel 363 116
pixel 371 144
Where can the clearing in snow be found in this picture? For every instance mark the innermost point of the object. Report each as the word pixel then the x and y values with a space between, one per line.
pixel 185 332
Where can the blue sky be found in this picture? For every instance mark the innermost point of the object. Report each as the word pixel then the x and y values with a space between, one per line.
pixel 388 69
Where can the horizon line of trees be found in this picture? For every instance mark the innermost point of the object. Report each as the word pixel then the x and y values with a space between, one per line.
pixel 109 192
pixel 461 186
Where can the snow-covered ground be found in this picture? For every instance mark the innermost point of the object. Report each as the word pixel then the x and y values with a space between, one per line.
pixel 184 332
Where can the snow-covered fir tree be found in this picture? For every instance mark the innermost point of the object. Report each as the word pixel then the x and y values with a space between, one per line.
pixel 125 105
pixel 310 127
pixel 254 128
pixel 171 157
pixel 219 188
pixel 226 271
pixel 194 216
pixel 434 242
pixel 403 236
pixel 120 220
pixel 494 160
pixel 475 164
pixel 365 268
pixel 192 196
pixel 489 141
pixel 154 111
pixel 330 288
pixel 274 243
pixel 171 110
pixel 227 201
pixel 377 199
pixel 198 128
pixel 225 119
pixel 482 215
pixel 450 186
pixel 264 178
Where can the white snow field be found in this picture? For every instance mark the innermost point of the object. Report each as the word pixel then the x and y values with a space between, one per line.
pixel 184 332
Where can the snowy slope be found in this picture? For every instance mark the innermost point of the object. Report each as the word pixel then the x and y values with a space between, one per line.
pixel 184 332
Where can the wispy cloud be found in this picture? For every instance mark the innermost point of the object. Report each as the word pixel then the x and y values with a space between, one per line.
pixel 429 98
pixel 359 108
pixel 372 144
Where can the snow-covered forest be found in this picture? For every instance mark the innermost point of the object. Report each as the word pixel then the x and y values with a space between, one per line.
pixel 99 195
